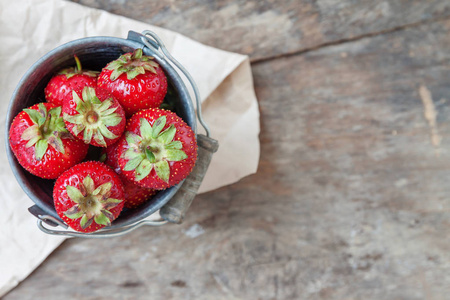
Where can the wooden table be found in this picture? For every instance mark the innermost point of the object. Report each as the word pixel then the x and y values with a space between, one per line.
pixel 352 196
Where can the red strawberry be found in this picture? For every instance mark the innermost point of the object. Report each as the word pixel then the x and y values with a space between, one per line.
pixel 88 196
pixel 158 149
pixel 94 116
pixel 135 195
pixel 60 86
pixel 41 143
pixel 135 80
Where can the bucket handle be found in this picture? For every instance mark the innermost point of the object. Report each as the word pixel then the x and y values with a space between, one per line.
pixel 99 234
pixel 158 43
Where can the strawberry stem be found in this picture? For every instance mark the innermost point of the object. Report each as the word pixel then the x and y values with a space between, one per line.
pixel 48 129
pixel 132 64
pixel 91 203
pixel 154 148
pixel 78 68
pixel 92 117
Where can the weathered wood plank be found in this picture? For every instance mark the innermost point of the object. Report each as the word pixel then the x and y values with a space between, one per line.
pixel 351 200
pixel 269 28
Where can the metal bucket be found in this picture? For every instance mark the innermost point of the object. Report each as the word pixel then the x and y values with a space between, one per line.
pixel 95 53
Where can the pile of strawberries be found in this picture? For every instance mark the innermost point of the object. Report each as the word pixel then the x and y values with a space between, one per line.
pixel 144 148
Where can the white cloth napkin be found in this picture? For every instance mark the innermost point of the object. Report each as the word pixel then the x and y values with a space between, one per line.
pixel 31 28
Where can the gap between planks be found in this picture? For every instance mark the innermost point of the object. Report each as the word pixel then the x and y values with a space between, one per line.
pixel 348 40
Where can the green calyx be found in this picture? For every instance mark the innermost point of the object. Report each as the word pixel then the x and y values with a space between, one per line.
pixel 152 149
pixel 93 117
pixel 69 72
pixel 48 129
pixel 92 204
pixel 132 64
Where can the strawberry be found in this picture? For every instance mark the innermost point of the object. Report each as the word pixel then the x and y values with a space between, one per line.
pixel 94 116
pixel 88 196
pixel 61 85
pixel 135 195
pixel 41 143
pixel 157 150
pixel 135 80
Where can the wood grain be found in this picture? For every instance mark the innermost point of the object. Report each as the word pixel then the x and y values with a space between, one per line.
pixel 351 199
pixel 264 29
